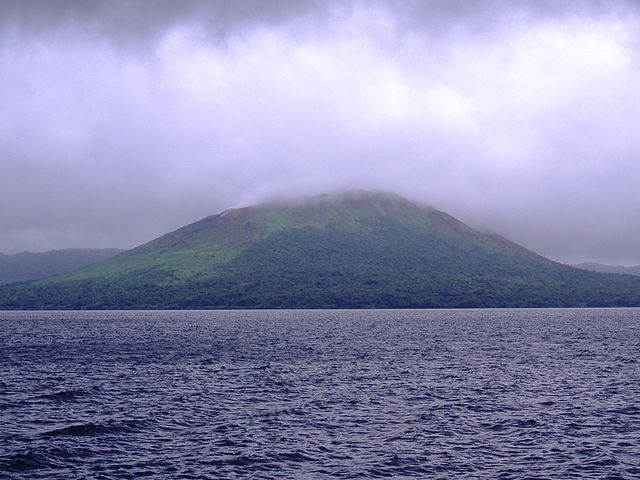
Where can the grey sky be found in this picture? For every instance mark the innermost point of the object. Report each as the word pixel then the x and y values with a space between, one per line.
pixel 121 120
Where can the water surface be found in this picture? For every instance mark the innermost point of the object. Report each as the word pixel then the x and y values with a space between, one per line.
pixel 320 394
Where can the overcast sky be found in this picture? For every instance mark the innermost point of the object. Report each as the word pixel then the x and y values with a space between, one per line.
pixel 121 120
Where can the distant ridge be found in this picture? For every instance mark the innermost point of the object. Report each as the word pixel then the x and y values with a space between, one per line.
pixel 599 267
pixel 20 267
pixel 350 250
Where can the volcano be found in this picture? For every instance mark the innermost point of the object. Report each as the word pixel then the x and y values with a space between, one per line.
pixel 349 250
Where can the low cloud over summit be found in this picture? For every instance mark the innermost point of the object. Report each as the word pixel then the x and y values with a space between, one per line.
pixel 122 120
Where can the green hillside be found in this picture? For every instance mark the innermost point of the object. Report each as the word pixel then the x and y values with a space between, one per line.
pixel 354 250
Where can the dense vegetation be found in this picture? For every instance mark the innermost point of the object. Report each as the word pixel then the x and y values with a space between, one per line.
pixel 356 251
pixel 24 266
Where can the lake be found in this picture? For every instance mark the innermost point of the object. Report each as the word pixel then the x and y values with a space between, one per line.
pixel 320 394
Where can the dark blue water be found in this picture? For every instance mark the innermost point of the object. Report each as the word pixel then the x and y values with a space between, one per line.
pixel 320 394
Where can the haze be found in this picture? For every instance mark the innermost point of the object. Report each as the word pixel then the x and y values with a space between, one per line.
pixel 122 120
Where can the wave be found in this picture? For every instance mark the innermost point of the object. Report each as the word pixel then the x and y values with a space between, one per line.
pixel 94 429
pixel 40 458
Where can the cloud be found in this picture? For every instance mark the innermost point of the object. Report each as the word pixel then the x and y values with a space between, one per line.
pixel 518 119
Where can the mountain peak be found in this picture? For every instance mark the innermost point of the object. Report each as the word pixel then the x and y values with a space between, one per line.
pixel 334 198
pixel 350 249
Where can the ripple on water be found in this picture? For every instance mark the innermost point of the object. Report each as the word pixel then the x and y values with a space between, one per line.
pixel 317 394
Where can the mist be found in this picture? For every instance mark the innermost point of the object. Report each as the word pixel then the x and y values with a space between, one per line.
pixel 123 120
